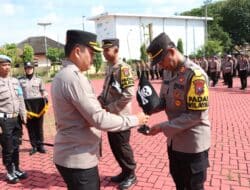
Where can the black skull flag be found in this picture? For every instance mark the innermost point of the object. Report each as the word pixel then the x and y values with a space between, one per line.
pixel 146 96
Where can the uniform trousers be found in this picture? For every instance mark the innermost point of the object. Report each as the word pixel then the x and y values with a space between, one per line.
pixel 189 170
pixel 213 76
pixel 119 143
pixel 10 141
pixel 243 78
pixel 80 179
pixel 35 131
pixel 229 79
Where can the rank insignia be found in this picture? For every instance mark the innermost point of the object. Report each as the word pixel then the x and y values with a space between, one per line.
pixel 182 69
pixel 177 103
pixel 181 79
pixel 177 94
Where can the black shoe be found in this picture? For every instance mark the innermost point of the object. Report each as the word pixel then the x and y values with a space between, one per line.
pixel 12 178
pixel 33 151
pixel 128 182
pixel 118 179
pixel 41 149
pixel 21 174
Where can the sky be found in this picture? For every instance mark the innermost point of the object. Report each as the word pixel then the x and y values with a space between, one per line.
pixel 19 18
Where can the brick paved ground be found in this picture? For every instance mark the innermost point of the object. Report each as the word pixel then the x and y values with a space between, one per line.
pixel 229 154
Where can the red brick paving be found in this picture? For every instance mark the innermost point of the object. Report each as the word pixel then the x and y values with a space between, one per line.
pixel 229 153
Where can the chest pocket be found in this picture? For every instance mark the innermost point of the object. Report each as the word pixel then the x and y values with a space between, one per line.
pixel 36 86
pixel 4 92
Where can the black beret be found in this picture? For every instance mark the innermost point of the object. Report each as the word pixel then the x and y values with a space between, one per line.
pixel 88 39
pixel 4 58
pixel 158 48
pixel 107 43
pixel 28 64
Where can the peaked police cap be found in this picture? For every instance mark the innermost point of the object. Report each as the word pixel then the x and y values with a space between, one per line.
pixel 80 37
pixel 158 47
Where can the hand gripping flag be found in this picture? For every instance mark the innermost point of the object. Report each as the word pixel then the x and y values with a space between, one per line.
pixel 146 96
pixel 148 100
pixel 36 107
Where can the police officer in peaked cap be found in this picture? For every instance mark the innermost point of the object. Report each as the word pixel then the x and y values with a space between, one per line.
pixel 11 105
pixel 116 97
pixel 184 97
pixel 80 117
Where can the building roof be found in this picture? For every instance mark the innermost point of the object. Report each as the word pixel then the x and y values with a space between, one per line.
pixel 106 14
pixel 38 44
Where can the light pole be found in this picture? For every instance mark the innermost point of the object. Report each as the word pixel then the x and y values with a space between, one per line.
pixel 206 2
pixel 44 25
pixel 83 23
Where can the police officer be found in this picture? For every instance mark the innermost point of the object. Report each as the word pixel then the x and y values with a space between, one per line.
pixel 184 97
pixel 242 69
pixel 204 64
pixel 79 116
pixel 228 67
pixel 33 88
pixel 116 97
pixel 11 105
pixel 213 69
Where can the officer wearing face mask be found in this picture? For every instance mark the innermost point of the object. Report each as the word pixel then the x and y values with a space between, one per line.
pixel 34 95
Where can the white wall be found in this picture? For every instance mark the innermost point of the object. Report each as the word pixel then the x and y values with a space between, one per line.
pixel 133 31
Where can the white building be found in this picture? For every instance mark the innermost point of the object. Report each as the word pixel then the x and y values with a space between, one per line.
pixel 133 30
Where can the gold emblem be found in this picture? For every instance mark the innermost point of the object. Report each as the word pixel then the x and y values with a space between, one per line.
pixel 182 69
pixel 181 79
pixel 177 103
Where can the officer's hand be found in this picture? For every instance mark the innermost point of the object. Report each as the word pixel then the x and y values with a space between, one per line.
pixel 155 129
pixel 143 118
pixel 23 119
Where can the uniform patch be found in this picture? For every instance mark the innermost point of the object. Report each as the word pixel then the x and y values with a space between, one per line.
pixel 197 97
pixel 126 77
pixel 199 86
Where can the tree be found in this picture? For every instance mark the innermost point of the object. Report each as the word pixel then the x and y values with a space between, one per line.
pixel 98 62
pixel 28 53
pixel 13 52
pixel 55 55
pixel 236 20
pixel 180 45
pixel 144 56
pixel 212 48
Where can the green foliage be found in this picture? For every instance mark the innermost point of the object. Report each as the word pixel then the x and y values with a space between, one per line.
pixel 55 55
pixel 13 52
pixel 98 61
pixel 211 48
pixel 236 20
pixel 28 53
pixel 231 24
pixel 180 45
pixel 144 56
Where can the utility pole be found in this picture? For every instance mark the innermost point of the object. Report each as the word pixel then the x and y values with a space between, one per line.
pixel 206 2
pixel 44 25
pixel 83 23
